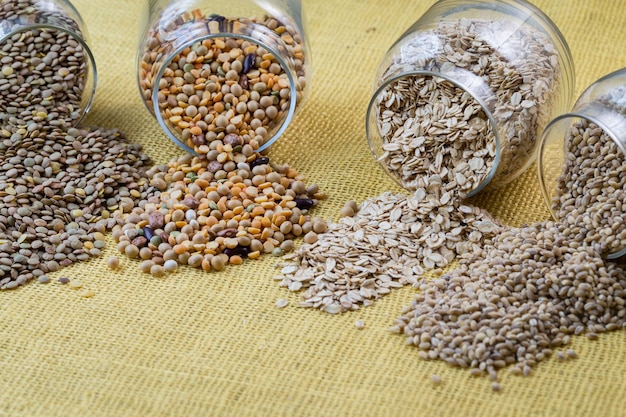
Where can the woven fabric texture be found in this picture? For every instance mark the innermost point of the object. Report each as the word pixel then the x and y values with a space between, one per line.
pixel 214 344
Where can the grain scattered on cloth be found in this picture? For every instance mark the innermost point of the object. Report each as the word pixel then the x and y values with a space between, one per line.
pixel 196 344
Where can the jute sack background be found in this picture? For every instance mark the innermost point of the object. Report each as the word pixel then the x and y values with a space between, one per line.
pixel 198 344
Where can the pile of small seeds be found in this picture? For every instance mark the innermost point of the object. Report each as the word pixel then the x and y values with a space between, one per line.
pixel 593 182
pixel 422 119
pixel 59 192
pixel 387 244
pixel 222 86
pixel 213 212
pixel 515 301
pixel 43 71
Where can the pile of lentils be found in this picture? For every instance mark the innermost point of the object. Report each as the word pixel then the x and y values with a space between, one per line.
pixel 220 210
pixel 60 190
pixel 43 71
pixel 60 187
pixel 420 117
pixel 517 300
pixel 224 85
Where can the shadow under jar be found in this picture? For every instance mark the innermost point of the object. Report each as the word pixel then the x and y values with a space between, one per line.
pixel 218 73
pixel 463 95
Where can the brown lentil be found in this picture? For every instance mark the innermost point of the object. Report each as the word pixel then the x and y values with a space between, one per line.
pixel 113 262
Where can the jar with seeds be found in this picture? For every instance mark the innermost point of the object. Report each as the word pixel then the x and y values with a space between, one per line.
pixel 223 73
pixel 465 92
pixel 47 71
pixel 582 166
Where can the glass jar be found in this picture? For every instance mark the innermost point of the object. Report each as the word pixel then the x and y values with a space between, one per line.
pixel 465 92
pixel 229 73
pixel 582 165
pixel 48 72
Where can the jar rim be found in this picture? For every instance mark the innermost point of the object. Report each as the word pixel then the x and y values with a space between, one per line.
pixel 171 55
pixel 558 123
pixel 426 73
pixel 83 44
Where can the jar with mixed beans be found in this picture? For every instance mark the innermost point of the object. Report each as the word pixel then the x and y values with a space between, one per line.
pixel 229 72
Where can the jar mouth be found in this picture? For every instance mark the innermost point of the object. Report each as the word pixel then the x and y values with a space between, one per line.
pixel 468 82
pixel 272 50
pixel 91 79
pixel 555 133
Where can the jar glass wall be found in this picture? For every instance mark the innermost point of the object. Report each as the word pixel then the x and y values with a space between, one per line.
pixel 48 71
pixel 233 73
pixel 465 92
pixel 582 165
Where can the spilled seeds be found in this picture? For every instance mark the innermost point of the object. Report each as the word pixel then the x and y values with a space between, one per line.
pixel 515 301
pixel 59 193
pixel 210 213
pixel 387 244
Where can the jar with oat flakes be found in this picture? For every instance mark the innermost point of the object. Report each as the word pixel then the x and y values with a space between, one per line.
pixel 465 92
pixel 48 72
pixel 582 165
pixel 223 73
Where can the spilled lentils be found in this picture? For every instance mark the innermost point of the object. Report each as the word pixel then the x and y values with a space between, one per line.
pixel 210 213
pixel 59 192
pixel 424 121
pixel 387 244
pixel 43 71
pixel 222 86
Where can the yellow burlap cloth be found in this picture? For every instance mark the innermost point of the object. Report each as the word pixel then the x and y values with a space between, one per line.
pixel 200 344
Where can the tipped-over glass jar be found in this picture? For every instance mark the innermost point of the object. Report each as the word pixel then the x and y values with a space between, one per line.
pixel 47 73
pixel 582 166
pixel 223 73
pixel 465 92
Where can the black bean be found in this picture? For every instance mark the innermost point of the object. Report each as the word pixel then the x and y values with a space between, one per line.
pixel 304 203
pixel 139 241
pixel 260 161
pixel 248 62
pixel 227 233
pixel 219 19
pixel 198 140
pixel 243 81
pixel 237 251
pixel 148 233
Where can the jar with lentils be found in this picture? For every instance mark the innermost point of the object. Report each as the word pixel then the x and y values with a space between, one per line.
pixel 582 166
pixel 463 95
pixel 47 71
pixel 223 71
